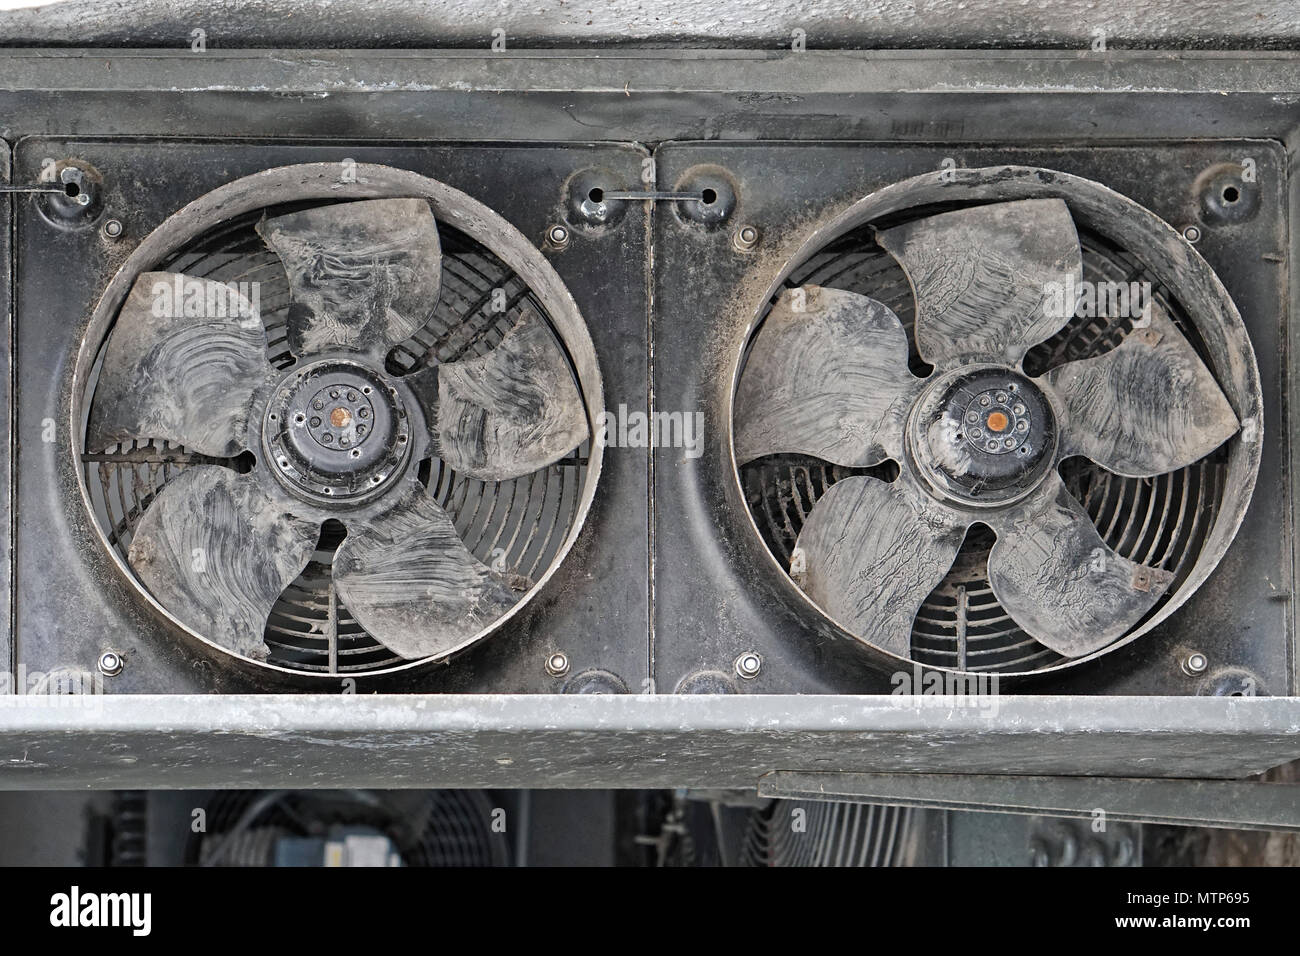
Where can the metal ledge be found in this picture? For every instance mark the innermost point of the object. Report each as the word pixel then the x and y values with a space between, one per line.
pixel 620 741
pixel 628 73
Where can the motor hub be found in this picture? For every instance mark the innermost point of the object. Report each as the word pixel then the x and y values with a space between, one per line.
pixel 982 435
pixel 336 431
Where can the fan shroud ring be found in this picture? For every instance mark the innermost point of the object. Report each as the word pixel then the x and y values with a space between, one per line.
pixel 556 501
pixel 777 492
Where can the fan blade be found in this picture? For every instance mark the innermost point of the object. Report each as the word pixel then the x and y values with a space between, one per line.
pixel 1060 581
pixel 826 376
pixel 990 281
pixel 409 580
pixel 512 411
pixel 1147 407
pixel 363 276
pixel 871 554
pixel 217 551
pixel 182 364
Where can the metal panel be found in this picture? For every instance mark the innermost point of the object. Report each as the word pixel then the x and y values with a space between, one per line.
pixel 73 604
pixel 937 97
pixel 7 437
pixel 618 741
pixel 718 591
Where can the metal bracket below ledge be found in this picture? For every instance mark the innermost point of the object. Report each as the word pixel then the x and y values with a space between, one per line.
pixel 1233 804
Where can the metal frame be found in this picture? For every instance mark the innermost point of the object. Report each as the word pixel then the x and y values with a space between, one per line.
pixel 648 97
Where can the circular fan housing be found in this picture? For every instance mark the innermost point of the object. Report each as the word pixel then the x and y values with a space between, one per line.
pixel 337 427
pixel 957 471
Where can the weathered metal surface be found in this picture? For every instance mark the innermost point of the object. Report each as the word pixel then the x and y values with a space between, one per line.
pixel 1197 803
pixel 8 435
pixel 364 275
pixel 983 280
pixel 826 24
pixel 186 377
pixel 981 277
pixel 75 608
pixel 1061 582
pixel 410 581
pixel 827 376
pixel 512 411
pixel 870 553
pixel 940 99
pixel 1148 407
pixel 619 740
pixel 216 550
pixel 846 172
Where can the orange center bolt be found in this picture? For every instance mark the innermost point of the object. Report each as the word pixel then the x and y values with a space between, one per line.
pixel 341 418
pixel 997 422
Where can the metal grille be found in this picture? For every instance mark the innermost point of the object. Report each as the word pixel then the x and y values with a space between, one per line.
pixel 1161 522
pixel 831 833
pixel 436 828
pixel 517 525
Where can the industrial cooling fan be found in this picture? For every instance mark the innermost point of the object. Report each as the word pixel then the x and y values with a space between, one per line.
pixel 979 443
pixel 333 439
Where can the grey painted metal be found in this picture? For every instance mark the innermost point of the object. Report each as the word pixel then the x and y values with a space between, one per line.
pixel 826 23
pixel 591 741
pixel 619 740
pixel 628 73
pixel 1210 803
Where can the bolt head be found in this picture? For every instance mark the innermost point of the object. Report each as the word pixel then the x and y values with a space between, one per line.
pixel 111 663
pixel 1195 663
pixel 748 665
pixel 558 235
pixel 745 238
pixel 557 665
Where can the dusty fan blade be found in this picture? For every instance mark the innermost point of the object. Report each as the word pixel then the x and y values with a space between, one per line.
pixel 363 276
pixel 512 411
pixel 1060 581
pixel 217 552
pixel 409 580
pixel 870 554
pixel 827 376
pixel 1147 407
pixel 990 281
pixel 181 365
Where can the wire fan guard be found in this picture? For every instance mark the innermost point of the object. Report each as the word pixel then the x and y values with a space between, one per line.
pixel 518 525
pixel 1163 522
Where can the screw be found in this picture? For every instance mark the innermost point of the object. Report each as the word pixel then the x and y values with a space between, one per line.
pixel 1195 663
pixel 558 236
pixel 111 663
pixel 1192 233
pixel 557 665
pixel 748 665
pixel 745 238
pixel 113 229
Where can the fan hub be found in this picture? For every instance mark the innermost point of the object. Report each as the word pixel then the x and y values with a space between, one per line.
pixel 336 431
pixel 982 435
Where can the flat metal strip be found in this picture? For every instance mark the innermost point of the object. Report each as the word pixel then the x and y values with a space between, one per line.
pixel 561 741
